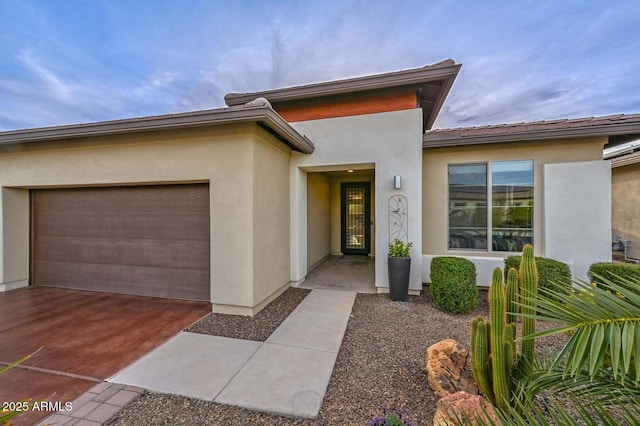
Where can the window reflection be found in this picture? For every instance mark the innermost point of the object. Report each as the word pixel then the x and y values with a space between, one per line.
pixel 468 206
pixel 510 211
pixel 512 205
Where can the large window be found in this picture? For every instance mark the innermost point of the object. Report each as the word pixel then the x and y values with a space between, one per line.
pixel 504 224
pixel 468 206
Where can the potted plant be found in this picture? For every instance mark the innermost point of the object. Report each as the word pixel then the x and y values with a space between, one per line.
pixel 399 266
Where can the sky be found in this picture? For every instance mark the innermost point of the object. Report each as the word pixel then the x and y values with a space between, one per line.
pixel 72 61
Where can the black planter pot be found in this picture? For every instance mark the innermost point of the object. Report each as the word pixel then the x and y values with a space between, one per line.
pixel 399 268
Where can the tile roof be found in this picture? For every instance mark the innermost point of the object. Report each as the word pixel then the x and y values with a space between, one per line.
pixel 619 124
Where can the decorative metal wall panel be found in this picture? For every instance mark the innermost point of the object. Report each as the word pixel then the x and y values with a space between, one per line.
pixel 398 218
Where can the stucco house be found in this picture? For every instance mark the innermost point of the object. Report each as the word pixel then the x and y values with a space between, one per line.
pixel 625 202
pixel 234 205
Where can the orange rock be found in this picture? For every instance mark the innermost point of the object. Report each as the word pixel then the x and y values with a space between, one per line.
pixel 446 369
pixel 462 406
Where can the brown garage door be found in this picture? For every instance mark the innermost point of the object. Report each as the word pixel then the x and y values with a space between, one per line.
pixel 144 240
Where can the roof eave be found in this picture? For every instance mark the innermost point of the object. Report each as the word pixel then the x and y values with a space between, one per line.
pixel 444 92
pixel 415 77
pixel 625 160
pixel 435 140
pixel 260 114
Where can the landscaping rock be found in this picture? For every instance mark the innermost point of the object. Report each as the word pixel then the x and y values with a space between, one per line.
pixel 462 406
pixel 446 369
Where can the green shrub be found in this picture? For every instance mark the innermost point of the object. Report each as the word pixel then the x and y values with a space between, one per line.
pixel 549 271
pixel 399 248
pixel 453 284
pixel 610 270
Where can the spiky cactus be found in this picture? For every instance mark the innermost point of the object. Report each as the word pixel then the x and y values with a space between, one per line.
pixel 499 344
pixel 528 277
pixel 512 295
pixel 480 356
pixel 493 344
pixel 493 347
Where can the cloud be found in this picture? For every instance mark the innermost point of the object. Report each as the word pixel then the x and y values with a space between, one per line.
pixel 39 96
pixel 100 61
pixel 45 78
pixel 156 81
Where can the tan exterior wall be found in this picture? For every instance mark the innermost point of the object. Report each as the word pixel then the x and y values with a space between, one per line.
pixel 271 223
pixel 323 212
pixel 434 183
pixel 625 206
pixel 318 217
pixel 222 156
pixel 14 205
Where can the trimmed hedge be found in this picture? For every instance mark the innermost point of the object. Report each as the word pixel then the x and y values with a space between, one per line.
pixel 549 271
pixel 610 270
pixel 453 284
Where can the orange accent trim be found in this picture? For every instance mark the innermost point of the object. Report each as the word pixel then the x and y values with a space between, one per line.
pixel 340 106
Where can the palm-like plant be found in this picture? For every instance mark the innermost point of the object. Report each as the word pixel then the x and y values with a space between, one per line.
pixel 595 379
pixel 605 327
pixel 599 366
pixel 6 415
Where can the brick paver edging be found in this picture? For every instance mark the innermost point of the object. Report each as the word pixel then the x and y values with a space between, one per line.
pixel 96 406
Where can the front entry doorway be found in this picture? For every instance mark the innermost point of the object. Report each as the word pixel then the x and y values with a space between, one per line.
pixel 355 218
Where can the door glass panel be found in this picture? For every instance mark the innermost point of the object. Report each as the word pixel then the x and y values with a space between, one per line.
pixel 355 218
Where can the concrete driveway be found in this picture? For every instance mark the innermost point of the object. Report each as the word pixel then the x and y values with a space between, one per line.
pixel 86 337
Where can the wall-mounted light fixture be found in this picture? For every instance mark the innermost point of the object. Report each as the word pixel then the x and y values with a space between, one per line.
pixel 396 182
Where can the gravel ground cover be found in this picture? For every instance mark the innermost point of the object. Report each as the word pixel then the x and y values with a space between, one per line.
pixel 259 327
pixel 381 361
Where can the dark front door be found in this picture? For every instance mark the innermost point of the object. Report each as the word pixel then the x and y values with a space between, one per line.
pixel 355 218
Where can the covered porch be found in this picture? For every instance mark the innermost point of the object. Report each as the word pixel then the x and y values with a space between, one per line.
pixel 343 272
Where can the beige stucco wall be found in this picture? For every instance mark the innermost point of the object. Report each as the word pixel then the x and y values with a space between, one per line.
pixel 270 220
pixel 435 191
pixel 389 143
pixel 323 212
pixel 222 156
pixel 318 217
pixel 625 206
pixel 14 206
pixel 577 214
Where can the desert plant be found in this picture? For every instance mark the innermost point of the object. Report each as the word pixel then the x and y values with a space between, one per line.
pixel 603 320
pixel 390 417
pixel 595 379
pixel 493 346
pixel 6 415
pixel 453 284
pixel 554 412
pixel 528 280
pixel 512 296
pixel 399 248
pixel 550 271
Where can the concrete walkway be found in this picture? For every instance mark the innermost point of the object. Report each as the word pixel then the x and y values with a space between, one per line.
pixel 349 273
pixel 288 374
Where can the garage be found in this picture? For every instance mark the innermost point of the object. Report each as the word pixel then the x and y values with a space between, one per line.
pixel 142 240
